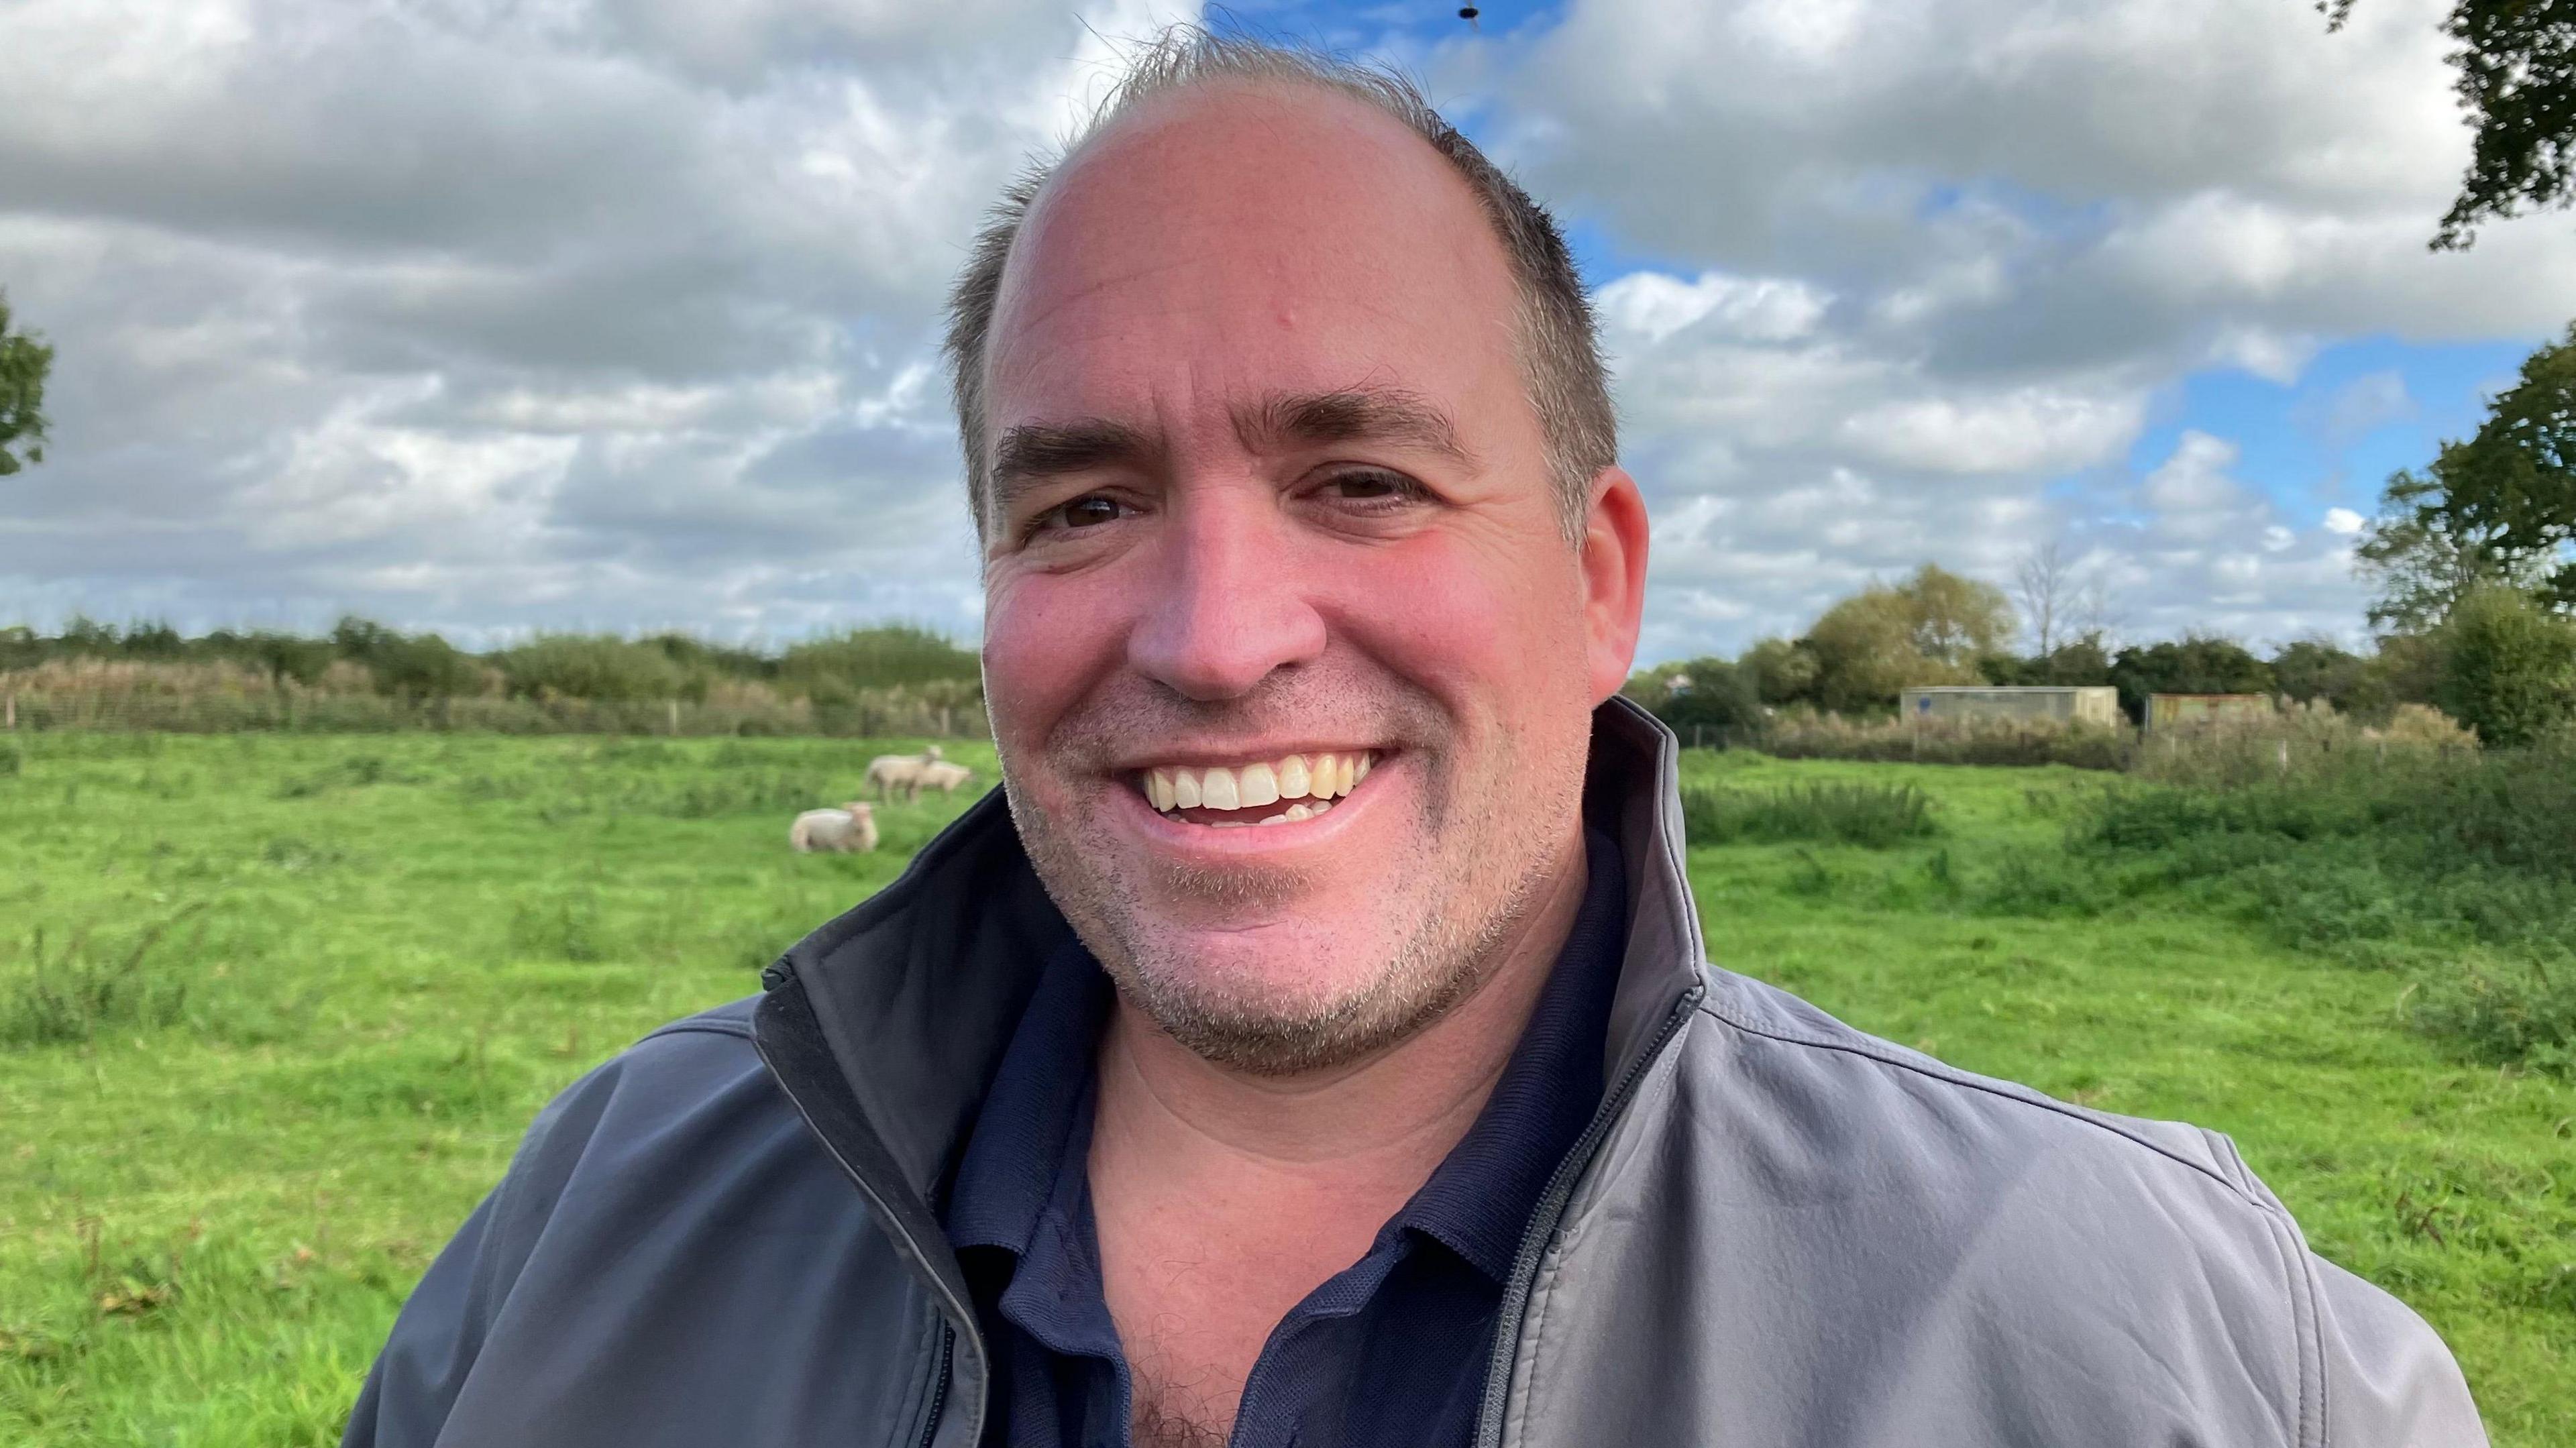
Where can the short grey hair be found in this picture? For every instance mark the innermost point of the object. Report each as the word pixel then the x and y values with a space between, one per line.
pixel 1560 351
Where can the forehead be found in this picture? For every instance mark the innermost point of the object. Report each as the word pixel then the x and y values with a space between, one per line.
pixel 1239 241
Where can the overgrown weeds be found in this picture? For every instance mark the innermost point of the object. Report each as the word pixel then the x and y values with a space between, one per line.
pixel 1873 816
pixel 1807 735
pixel 2456 869
pixel 70 990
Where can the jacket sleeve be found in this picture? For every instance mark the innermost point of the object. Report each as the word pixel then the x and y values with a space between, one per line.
pixel 2389 1381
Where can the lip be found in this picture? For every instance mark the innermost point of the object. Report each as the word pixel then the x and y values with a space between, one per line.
pixel 1209 842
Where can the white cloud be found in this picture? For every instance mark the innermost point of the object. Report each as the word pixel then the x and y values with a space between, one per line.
pixel 1763 309
pixel 485 313
pixel 2033 219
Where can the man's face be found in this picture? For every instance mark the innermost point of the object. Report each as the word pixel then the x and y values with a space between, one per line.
pixel 1271 520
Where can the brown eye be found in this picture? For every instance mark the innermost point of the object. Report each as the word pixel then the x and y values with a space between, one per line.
pixel 1089 511
pixel 1370 486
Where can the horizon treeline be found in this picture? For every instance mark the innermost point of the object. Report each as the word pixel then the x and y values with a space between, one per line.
pixel 362 656
pixel 2498 660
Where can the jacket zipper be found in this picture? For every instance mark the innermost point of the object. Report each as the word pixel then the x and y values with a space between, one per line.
pixel 939 1392
pixel 947 1331
pixel 1549 1214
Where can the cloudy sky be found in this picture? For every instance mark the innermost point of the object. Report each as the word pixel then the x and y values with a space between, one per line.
pixel 497 314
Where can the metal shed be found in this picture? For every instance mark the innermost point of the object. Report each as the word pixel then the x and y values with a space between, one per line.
pixel 2053 704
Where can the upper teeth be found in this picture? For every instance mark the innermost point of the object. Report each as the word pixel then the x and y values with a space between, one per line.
pixel 1250 786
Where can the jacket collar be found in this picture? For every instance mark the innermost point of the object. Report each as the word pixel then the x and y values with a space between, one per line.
pixel 915 993
pixel 884 1027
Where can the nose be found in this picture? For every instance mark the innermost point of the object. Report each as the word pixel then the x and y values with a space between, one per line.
pixel 1229 603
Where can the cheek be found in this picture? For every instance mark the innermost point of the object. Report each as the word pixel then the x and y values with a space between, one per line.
pixel 1045 642
pixel 1498 628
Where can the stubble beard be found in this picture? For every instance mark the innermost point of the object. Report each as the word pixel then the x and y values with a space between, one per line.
pixel 1487 873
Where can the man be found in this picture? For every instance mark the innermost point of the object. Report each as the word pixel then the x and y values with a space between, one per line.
pixel 1320 1050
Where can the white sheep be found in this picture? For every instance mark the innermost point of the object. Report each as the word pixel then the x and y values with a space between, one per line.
pixel 851 829
pixel 941 776
pixel 890 772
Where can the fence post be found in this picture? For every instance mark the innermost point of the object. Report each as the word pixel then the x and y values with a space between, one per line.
pixel 2285 758
pixel 13 712
pixel 675 717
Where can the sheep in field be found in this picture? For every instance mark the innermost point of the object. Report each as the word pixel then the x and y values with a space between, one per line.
pixel 890 772
pixel 941 776
pixel 851 829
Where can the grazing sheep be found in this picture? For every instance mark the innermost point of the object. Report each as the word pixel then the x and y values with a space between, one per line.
pixel 941 776
pixel 851 829
pixel 890 772
pixel 906 772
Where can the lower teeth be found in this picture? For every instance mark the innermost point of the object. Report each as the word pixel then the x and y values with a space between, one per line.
pixel 1312 810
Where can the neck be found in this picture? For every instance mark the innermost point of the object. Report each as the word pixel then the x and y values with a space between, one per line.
pixel 1221 1199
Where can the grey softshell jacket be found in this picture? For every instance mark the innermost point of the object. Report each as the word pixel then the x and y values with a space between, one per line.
pixel 1778 1231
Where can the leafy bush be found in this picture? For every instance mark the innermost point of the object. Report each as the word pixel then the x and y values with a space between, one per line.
pixel 2513 1011
pixel 2509 668
pixel 2458 868
pixel 365 676
pixel 837 666
pixel 592 666
pixel 1874 816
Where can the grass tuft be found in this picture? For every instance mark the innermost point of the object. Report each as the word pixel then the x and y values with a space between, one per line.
pixel 72 990
pixel 1872 816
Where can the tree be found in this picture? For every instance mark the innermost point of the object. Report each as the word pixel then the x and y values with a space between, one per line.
pixel 582 666
pixel 1931 629
pixel 2517 65
pixel 2498 508
pixel 2195 664
pixel 1781 672
pixel 2417 560
pixel 2082 660
pixel 2316 669
pixel 1707 693
pixel 2508 669
pixel 408 666
pixel 24 361
pixel 2044 581
pixel 1953 619
pixel 2514 482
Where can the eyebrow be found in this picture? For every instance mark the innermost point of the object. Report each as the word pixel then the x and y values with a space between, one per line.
pixel 1035 451
pixel 1389 415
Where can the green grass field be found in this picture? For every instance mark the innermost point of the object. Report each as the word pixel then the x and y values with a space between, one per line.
pixel 273 1012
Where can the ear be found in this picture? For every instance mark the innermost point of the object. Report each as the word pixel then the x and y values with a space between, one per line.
pixel 1613 559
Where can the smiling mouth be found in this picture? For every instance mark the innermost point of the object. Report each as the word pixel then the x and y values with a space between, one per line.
pixel 1278 791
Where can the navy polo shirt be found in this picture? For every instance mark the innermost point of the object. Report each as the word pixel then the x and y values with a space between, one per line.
pixel 1391 1350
